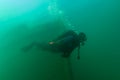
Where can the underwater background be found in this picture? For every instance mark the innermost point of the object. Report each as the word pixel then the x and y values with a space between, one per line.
pixel 25 21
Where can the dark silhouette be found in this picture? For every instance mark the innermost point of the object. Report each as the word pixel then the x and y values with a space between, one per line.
pixel 64 44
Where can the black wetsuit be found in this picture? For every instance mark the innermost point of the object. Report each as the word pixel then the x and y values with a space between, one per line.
pixel 65 44
pixel 68 42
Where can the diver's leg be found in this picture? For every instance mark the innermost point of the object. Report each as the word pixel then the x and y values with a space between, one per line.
pixel 41 46
pixel 27 48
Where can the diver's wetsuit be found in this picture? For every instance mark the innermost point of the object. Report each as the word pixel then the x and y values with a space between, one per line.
pixel 67 42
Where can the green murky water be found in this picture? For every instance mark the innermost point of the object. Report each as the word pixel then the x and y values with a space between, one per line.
pixel 22 22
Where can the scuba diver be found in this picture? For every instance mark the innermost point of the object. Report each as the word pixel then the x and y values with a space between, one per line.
pixel 64 44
